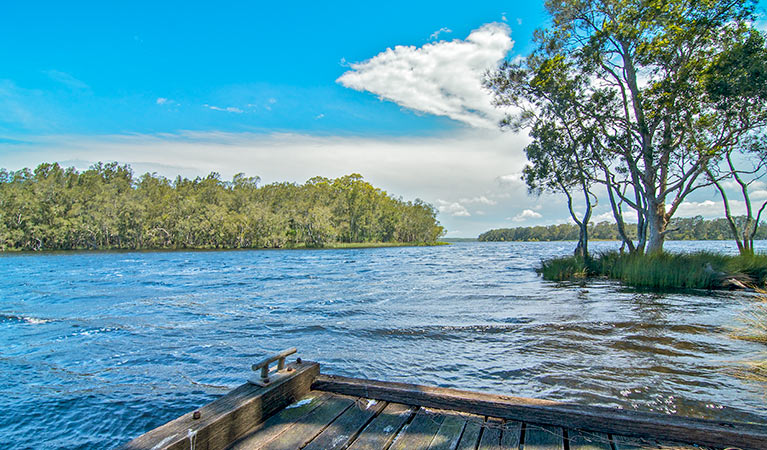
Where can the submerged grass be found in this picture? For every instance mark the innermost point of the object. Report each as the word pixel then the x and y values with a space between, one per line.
pixel 754 328
pixel 700 270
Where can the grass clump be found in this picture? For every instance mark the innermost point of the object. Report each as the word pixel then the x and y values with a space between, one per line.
pixel 563 269
pixel 754 328
pixel 699 270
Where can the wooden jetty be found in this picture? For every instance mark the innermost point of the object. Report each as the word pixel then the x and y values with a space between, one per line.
pixel 297 407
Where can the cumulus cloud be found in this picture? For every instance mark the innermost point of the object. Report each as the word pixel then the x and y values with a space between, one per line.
pixel 442 78
pixel 455 209
pixel 604 217
pixel 526 214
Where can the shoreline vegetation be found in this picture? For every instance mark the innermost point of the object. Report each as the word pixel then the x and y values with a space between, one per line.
pixel 330 246
pixel 663 271
pixel 680 229
pixel 107 208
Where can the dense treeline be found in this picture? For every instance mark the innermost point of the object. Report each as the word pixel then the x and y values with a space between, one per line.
pixel 680 229
pixel 106 207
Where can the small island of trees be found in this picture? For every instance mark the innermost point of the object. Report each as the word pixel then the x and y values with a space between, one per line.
pixel 106 207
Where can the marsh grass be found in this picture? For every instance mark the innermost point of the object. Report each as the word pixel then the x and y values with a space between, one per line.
pixel 754 328
pixel 699 270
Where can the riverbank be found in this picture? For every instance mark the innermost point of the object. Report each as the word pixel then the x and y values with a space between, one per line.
pixel 330 246
pixel 699 270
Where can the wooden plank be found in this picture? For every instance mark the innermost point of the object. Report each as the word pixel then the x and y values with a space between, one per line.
pixel 539 437
pixel 309 426
pixel 607 420
pixel 627 443
pixel 449 432
pixel 278 423
pixel 383 429
pixel 419 433
pixel 585 440
pixel 344 429
pixel 229 417
pixel 471 434
pixel 491 435
pixel 511 434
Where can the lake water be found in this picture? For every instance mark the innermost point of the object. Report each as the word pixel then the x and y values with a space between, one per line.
pixel 97 348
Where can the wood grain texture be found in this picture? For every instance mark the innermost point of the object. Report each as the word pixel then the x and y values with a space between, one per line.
pixel 280 422
pixel 229 417
pixel 606 420
pixel 382 430
pixel 627 443
pixel 309 426
pixel 471 434
pixel 449 432
pixel 511 434
pixel 491 435
pixel 418 434
pixel 538 437
pixel 585 440
pixel 347 426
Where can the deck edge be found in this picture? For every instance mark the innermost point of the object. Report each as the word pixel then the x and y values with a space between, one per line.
pixel 655 426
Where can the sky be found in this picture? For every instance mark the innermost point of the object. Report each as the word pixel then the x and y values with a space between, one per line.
pixel 284 91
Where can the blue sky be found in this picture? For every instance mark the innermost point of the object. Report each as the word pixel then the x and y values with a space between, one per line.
pixel 100 67
pixel 282 90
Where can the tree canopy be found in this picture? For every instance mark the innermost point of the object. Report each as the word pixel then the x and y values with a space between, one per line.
pixel 641 87
pixel 106 207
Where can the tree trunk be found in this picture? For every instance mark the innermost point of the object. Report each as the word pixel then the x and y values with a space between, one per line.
pixel 656 226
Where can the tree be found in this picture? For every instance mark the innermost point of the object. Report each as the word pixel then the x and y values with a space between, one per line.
pixel 736 82
pixel 641 68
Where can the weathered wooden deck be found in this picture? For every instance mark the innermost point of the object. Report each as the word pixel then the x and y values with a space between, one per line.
pixel 301 409
pixel 328 421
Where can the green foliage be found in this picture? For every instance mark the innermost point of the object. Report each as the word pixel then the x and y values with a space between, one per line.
pixel 564 269
pixel 680 229
pixel 700 270
pixel 642 97
pixel 105 207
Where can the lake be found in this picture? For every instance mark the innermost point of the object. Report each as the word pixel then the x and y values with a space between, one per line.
pixel 98 348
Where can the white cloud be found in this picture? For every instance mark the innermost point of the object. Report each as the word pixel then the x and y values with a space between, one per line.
pixel 759 195
pixel 604 217
pixel 481 199
pixel 161 100
pixel 436 34
pixel 526 214
pixel 706 208
pixel 455 209
pixel 512 179
pixel 230 109
pixel 442 78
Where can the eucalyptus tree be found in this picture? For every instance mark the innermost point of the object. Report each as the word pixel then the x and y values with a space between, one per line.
pixel 736 82
pixel 641 67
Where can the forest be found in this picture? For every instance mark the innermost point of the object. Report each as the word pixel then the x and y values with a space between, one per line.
pixel 107 207
pixel 680 229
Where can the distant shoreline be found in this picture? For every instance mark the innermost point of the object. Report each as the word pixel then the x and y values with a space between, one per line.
pixel 336 246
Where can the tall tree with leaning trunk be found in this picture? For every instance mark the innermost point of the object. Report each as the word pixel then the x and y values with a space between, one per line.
pixel 641 67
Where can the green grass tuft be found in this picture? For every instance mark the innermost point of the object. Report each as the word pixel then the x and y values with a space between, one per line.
pixel 700 270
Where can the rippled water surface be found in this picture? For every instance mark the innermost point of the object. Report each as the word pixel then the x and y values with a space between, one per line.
pixel 98 348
